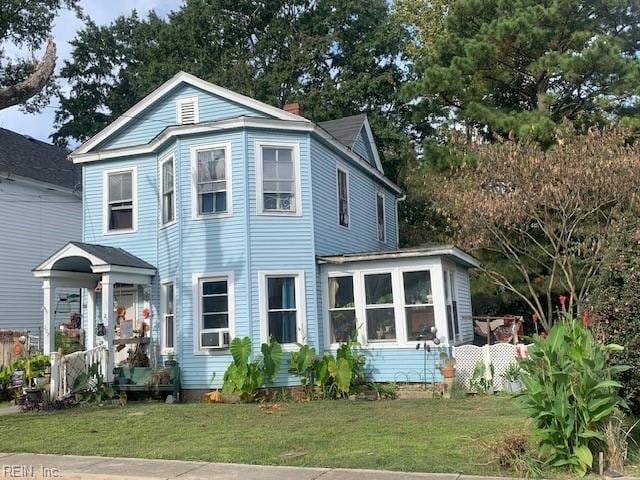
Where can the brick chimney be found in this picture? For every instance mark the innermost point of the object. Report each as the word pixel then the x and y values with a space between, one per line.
pixel 294 108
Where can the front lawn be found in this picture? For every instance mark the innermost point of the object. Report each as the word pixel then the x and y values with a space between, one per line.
pixel 424 436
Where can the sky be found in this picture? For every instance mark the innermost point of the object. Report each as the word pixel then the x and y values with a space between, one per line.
pixel 102 12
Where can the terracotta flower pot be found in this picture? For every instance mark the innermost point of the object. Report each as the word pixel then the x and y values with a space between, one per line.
pixel 448 372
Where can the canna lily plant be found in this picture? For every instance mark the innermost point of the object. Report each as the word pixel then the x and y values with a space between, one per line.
pixel 570 391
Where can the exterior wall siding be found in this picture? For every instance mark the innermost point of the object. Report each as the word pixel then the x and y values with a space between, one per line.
pixel 362 147
pixel 143 129
pixel 34 222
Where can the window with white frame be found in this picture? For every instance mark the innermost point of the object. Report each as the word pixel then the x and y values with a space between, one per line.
pixel 282 308
pixel 214 312
pixel 279 182
pixel 451 305
pixel 418 304
pixel 168 191
pixel 120 201
pixel 379 307
pixel 211 180
pixel 343 198
pixel 380 212
pixel 342 309
pixel 168 316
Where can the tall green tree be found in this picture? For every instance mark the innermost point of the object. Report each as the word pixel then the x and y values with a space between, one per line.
pixel 516 68
pixel 335 57
pixel 26 25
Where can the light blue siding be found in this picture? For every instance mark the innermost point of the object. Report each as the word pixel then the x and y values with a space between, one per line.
pixel 401 365
pixel 363 148
pixel 362 234
pixel 163 114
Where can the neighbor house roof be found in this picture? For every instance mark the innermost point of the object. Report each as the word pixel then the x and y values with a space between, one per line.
pixel 455 253
pixel 23 156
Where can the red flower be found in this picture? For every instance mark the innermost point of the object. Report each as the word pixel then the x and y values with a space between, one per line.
pixel 535 317
pixel 146 313
pixel 585 318
pixel 543 334
pixel 563 300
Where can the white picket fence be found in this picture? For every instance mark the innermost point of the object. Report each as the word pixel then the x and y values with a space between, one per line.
pixel 500 355
pixel 65 369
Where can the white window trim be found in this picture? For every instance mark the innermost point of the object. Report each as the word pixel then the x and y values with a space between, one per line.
pixel 346 173
pixel 397 272
pixel 195 210
pixel 295 146
pixel 380 194
pixel 196 109
pixel 197 280
pixel 164 350
pixel 105 199
pixel 169 157
pixel 301 311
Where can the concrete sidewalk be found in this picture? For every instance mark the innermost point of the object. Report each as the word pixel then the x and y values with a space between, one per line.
pixel 71 467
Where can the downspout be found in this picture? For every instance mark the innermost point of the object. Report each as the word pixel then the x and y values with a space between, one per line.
pixel 398 200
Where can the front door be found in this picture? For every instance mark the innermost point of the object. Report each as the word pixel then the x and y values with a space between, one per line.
pixel 126 301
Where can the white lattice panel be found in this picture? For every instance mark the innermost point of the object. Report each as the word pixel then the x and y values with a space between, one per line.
pixel 500 355
pixel 467 356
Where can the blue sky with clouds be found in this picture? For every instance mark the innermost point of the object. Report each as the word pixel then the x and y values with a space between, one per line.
pixel 40 125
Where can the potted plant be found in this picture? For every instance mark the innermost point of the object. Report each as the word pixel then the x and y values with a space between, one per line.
pixel 511 378
pixel 447 365
pixel 170 361
pixel 5 380
pixel 34 369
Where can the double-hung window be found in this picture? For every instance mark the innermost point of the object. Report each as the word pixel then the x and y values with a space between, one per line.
pixel 214 312
pixel 282 307
pixel 212 180
pixel 342 309
pixel 120 200
pixel 418 304
pixel 451 305
pixel 380 312
pixel 168 191
pixel 279 185
pixel 343 198
pixel 381 220
pixel 168 316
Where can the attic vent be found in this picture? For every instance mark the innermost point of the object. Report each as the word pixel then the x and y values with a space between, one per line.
pixel 187 110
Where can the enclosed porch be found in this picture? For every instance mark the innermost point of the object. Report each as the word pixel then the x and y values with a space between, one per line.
pixel 117 292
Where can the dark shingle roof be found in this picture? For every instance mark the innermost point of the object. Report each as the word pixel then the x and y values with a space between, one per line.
pixel 113 255
pixel 27 157
pixel 346 129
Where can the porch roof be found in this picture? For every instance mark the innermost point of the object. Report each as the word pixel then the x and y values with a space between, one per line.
pixel 89 258
pixel 451 251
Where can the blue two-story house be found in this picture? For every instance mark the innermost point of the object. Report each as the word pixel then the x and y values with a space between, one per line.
pixel 208 215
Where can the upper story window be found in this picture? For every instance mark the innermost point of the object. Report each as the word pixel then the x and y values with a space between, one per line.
pixel 120 200
pixel 343 198
pixel 187 110
pixel 380 213
pixel 212 182
pixel 168 198
pixel 278 185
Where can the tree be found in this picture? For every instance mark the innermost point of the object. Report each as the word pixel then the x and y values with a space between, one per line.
pixel 517 69
pixel 547 213
pixel 336 58
pixel 27 24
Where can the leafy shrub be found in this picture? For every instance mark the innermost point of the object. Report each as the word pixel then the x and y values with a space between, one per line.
pixel 91 388
pixel 481 381
pixel 45 405
pixel 570 392
pixel 245 378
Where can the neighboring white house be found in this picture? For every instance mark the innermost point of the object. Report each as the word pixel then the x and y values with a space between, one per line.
pixel 40 210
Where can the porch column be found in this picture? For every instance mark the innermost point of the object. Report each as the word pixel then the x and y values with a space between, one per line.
pixel 109 322
pixel 48 310
pixel 90 335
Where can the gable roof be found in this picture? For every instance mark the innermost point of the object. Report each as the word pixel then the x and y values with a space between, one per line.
pixel 347 130
pixel 27 157
pixel 177 79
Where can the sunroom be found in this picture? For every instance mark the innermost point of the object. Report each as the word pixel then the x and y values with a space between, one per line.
pixel 396 299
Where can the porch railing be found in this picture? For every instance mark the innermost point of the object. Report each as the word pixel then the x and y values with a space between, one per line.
pixel 65 369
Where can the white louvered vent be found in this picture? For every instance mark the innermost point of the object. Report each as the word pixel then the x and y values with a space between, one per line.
pixel 187 110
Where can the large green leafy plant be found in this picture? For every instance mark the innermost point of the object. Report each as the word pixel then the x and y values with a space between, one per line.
pixel 245 378
pixel 570 392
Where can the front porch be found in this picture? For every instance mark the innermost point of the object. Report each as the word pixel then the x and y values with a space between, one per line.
pixel 117 291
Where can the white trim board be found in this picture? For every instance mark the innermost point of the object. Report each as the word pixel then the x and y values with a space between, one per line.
pixel 158 93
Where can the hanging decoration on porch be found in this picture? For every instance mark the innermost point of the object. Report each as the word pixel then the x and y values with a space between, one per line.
pixel 146 313
pixel 101 330
pixel 98 288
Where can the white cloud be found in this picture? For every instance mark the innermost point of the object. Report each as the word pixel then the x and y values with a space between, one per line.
pixel 40 125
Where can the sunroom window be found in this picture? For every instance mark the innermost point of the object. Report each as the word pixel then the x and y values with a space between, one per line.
pixel 342 309
pixel 211 181
pixel 381 323
pixel 120 201
pixel 278 180
pixel 451 304
pixel 418 304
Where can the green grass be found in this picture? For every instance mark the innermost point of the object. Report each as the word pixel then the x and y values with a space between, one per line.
pixel 420 435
